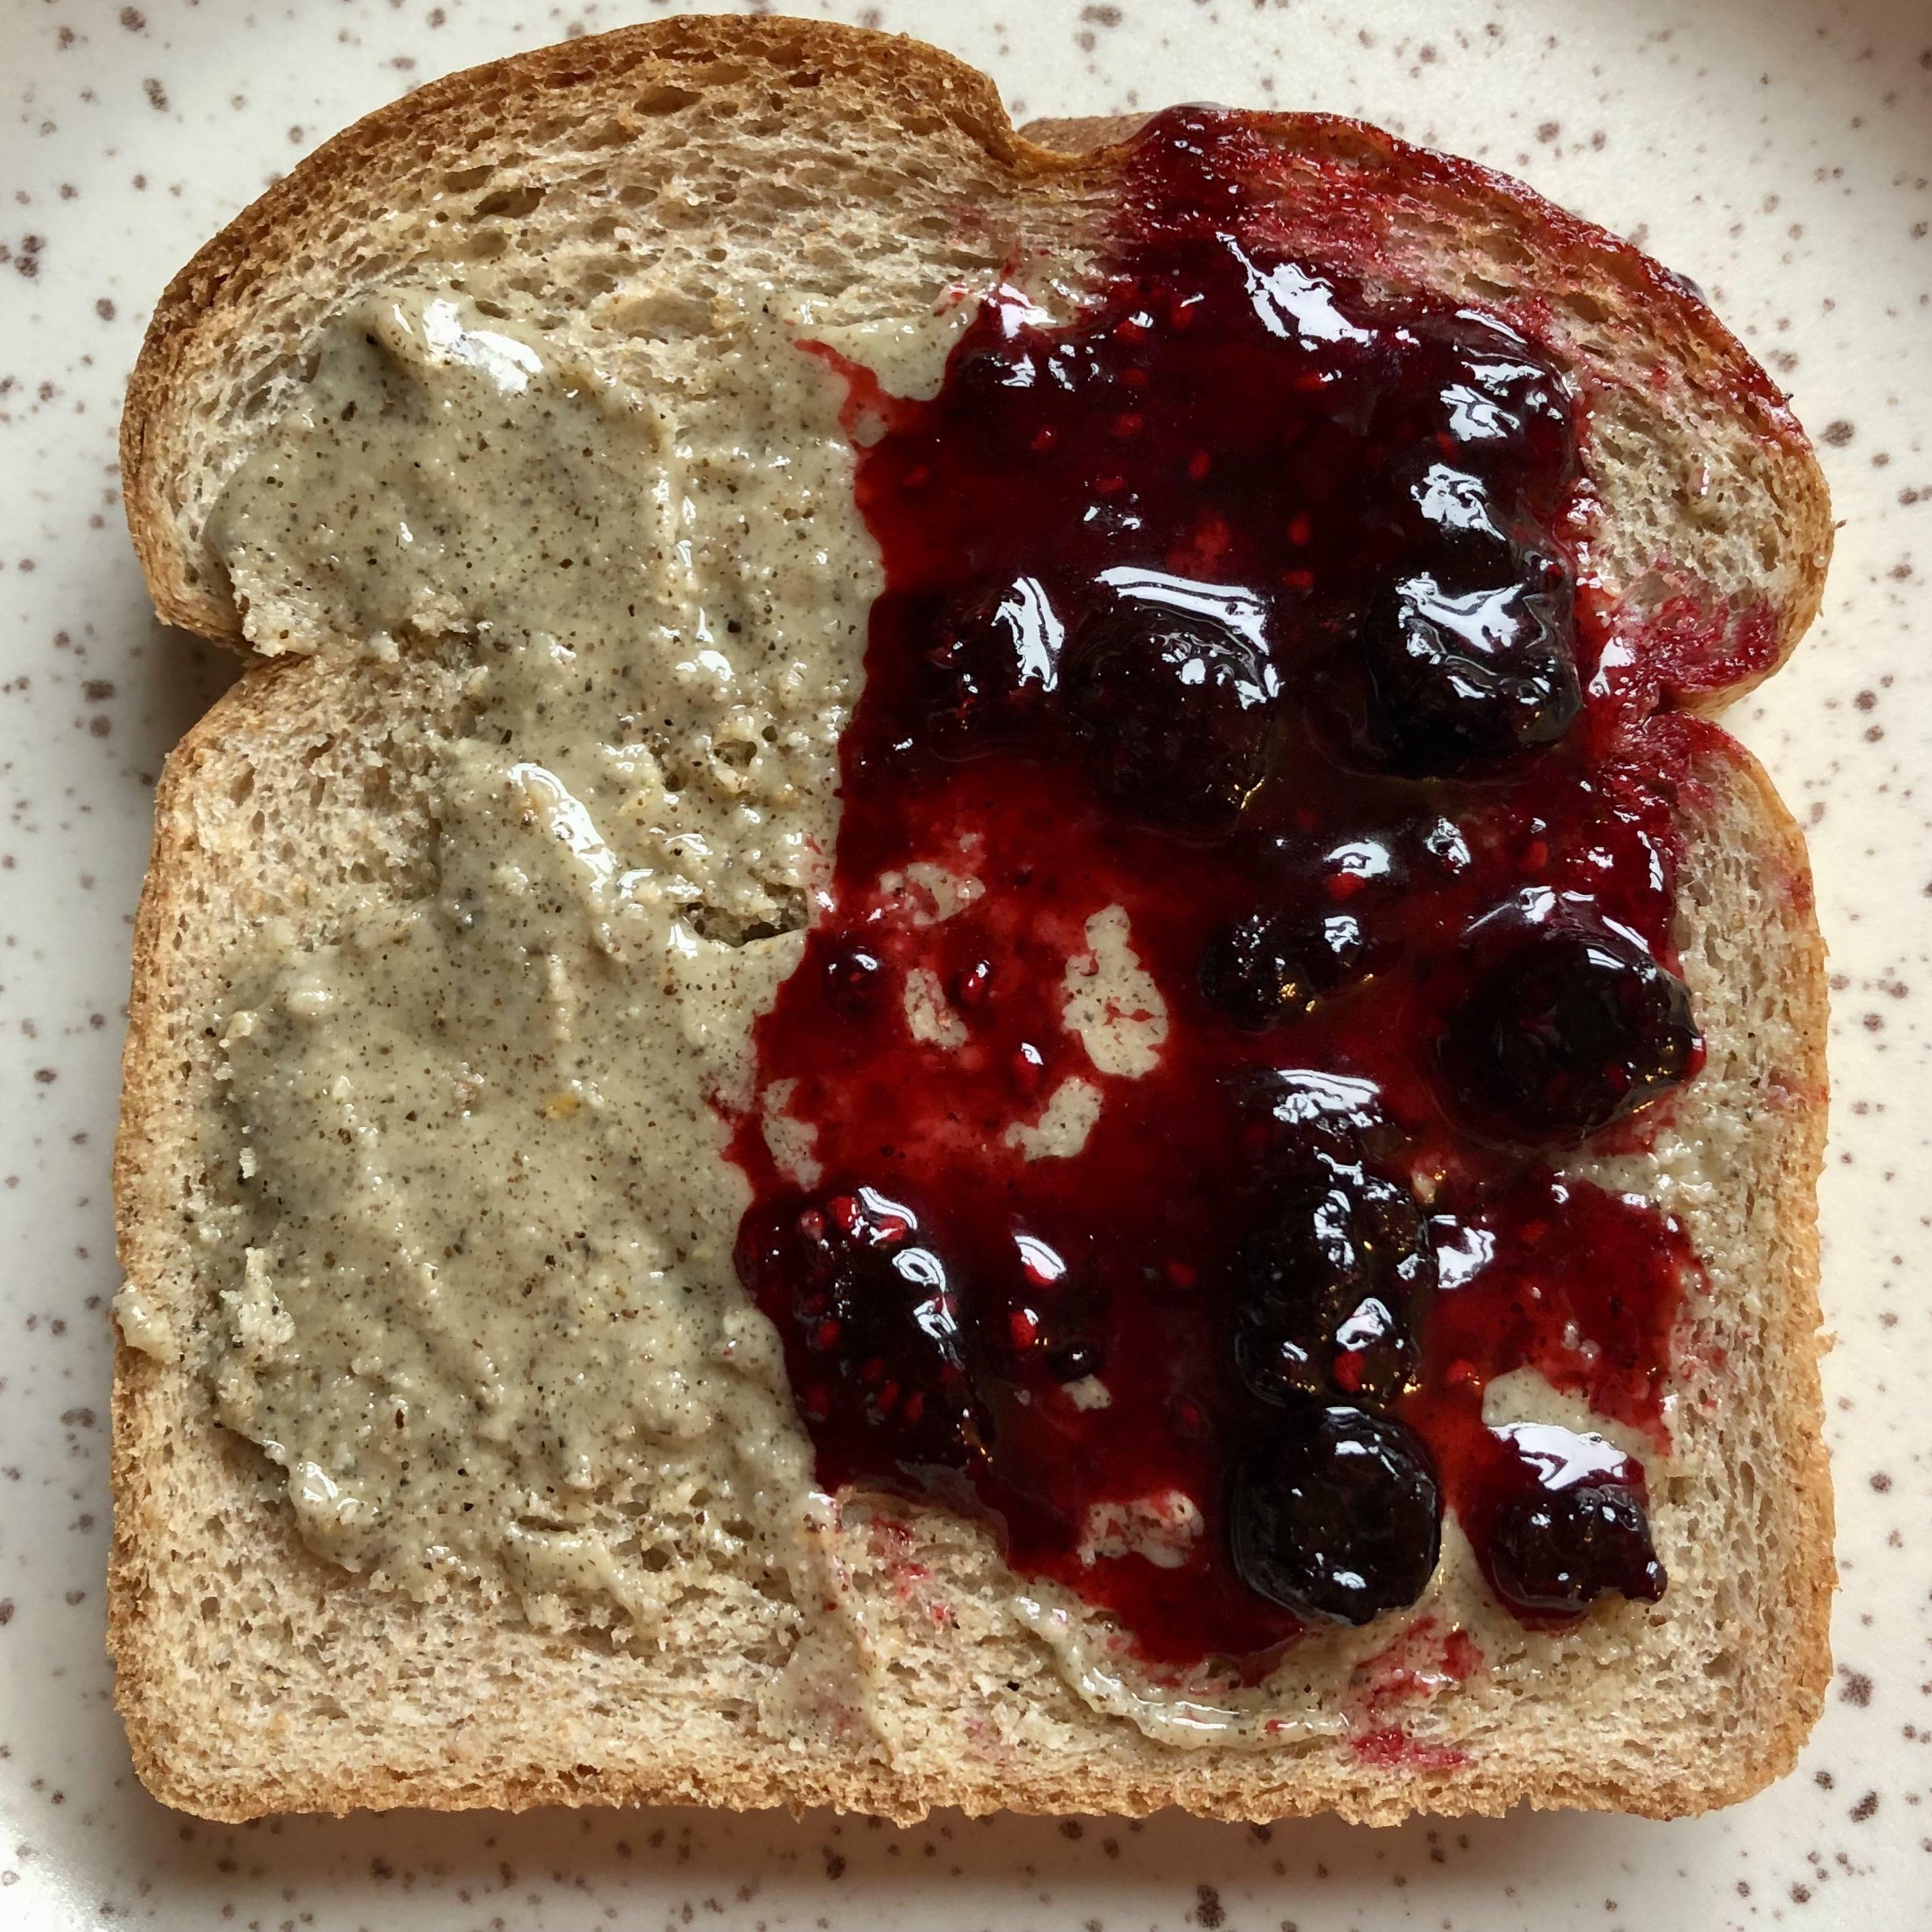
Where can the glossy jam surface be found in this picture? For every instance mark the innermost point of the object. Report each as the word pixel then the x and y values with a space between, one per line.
pixel 1241 903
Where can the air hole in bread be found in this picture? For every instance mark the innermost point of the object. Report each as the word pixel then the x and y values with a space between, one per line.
pixel 777 195
pixel 515 202
pixel 665 101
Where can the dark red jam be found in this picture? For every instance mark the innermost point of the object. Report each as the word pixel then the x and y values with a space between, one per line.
pixel 1231 641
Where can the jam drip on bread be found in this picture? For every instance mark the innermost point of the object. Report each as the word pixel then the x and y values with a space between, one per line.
pixel 1245 901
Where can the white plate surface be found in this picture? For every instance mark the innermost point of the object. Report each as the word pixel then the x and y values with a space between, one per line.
pixel 1778 153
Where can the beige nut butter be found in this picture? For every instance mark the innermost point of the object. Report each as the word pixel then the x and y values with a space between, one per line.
pixel 484 1312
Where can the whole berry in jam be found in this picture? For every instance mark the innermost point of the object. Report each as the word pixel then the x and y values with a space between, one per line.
pixel 1454 513
pixel 1482 384
pixel 1557 1551
pixel 1173 711
pixel 1328 1294
pixel 995 661
pixel 1447 683
pixel 1500 401
pixel 871 1325
pixel 1567 1030
pixel 1338 1516
pixel 1272 966
pixel 1295 1116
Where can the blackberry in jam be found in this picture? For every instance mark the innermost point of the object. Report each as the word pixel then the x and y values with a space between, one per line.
pixel 1451 515
pixel 871 1329
pixel 1501 401
pixel 996 664
pixel 1566 1030
pixel 1326 1295
pixel 1270 967
pixel 1557 1551
pixel 1339 1515
pixel 1173 711
pixel 1450 683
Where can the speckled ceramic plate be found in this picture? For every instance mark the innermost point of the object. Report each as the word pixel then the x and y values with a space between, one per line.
pixel 1777 153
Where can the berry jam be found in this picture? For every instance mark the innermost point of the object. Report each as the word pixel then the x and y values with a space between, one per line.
pixel 1232 834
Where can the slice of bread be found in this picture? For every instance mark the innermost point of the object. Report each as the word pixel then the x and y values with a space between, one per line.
pixel 634 199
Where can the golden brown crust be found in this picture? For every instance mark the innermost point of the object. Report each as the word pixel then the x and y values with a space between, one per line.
pixel 192 329
pixel 762 1782
pixel 1798 1342
pixel 152 1104
pixel 1081 134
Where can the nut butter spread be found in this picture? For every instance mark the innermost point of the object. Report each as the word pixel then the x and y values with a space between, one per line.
pixel 483 1308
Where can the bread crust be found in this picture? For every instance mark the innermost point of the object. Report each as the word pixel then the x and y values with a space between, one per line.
pixel 1801 1340
pixel 205 317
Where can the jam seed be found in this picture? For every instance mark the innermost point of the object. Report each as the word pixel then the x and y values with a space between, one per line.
pixel 972 986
